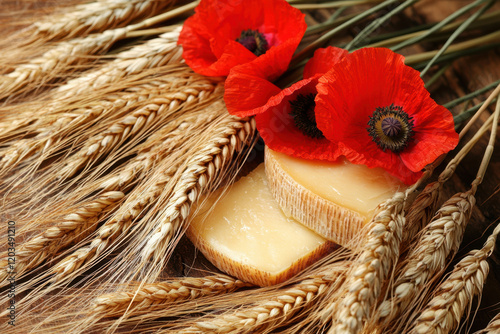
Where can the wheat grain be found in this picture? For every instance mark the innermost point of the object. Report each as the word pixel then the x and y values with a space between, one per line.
pixel 132 124
pixel 55 62
pixel 372 267
pixel 438 242
pixel 451 298
pixel 161 294
pixel 164 143
pixel 153 53
pixel 97 16
pixel 278 310
pixel 73 228
pixel 51 131
pixel 493 326
pixel 202 171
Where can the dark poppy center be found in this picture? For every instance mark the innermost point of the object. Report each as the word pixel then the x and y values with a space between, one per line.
pixel 391 128
pixel 253 41
pixel 304 117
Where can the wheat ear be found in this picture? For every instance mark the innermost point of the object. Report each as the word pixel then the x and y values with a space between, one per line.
pixel 152 54
pixel 371 267
pixel 452 297
pixel 271 313
pixel 163 293
pixel 438 243
pixel 73 228
pixel 155 148
pixel 134 123
pixel 425 205
pixel 201 173
pixel 493 326
pixel 138 200
pixel 96 16
pixel 53 130
pixel 56 61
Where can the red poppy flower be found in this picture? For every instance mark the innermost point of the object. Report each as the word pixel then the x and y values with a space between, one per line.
pixel 226 33
pixel 247 89
pixel 286 122
pixel 380 110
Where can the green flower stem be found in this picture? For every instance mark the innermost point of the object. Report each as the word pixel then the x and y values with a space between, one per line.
pixel 455 34
pixel 332 21
pixel 308 50
pixel 334 4
pixel 437 75
pixel 463 116
pixel 472 95
pixel 388 40
pixel 439 25
pixel 483 107
pixel 481 42
pixel 377 23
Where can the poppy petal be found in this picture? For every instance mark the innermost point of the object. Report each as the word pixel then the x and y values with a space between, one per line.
pixel 323 61
pixel 279 132
pixel 374 78
pixel 209 37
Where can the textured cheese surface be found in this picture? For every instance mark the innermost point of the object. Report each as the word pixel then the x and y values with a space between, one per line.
pixel 247 226
pixel 355 187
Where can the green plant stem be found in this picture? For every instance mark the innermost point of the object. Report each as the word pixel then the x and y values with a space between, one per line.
pixel 377 23
pixel 472 95
pixel 482 41
pixel 437 75
pixel 334 4
pixel 332 21
pixel 388 40
pixel 483 107
pixel 463 116
pixel 438 26
pixel 323 39
pixel 457 33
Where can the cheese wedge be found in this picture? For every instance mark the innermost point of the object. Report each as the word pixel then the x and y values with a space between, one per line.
pixel 333 199
pixel 245 234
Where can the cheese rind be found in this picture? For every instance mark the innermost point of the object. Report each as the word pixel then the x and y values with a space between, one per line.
pixel 245 234
pixel 335 200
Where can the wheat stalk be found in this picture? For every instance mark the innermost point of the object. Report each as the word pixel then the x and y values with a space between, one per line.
pixel 73 228
pixel 96 16
pixel 371 268
pixel 202 171
pixel 153 53
pixel 163 293
pixel 451 298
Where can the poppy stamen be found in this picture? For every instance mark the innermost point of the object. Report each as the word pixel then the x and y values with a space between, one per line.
pixel 253 41
pixel 391 128
pixel 304 117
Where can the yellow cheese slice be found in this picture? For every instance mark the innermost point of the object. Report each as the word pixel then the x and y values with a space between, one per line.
pixel 333 199
pixel 245 234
